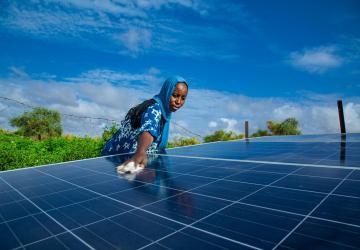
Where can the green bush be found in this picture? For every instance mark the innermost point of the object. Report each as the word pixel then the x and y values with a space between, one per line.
pixel 179 142
pixel 221 135
pixel 17 151
pixel 260 132
pixel 288 127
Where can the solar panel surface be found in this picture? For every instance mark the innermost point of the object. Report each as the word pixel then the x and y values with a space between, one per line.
pixel 267 193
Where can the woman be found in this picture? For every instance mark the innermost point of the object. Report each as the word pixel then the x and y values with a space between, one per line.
pixel 146 126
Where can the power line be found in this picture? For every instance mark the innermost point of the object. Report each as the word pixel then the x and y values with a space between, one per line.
pixel 187 130
pixel 96 118
pixel 64 114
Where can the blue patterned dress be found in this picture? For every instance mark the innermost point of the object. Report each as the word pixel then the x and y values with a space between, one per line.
pixel 125 139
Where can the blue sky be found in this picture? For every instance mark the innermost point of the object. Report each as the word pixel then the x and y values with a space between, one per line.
pixel 244 60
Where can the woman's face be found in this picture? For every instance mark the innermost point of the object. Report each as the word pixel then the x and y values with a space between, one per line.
pixel 178 97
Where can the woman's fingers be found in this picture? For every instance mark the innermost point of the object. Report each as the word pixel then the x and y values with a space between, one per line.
pixel 139 160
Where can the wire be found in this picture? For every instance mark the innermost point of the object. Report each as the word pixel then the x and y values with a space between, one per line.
pixel 96 118
pixel 187 130
pixel 64 114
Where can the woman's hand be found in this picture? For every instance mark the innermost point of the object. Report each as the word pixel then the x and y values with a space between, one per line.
pixel 140 159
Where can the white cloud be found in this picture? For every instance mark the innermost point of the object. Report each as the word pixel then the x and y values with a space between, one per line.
pixel 131 27
pixel 316 60
pixel 212 124
pixel 127 8
pixel 92 94
pixel 135 39
pixel 231 124
pixel 352 116
pixel 283 112
pixel 109 94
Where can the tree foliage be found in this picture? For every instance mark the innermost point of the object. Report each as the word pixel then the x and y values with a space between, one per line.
pixel 288 127
pixel 179 142
pixel 260 132
pixel 221 135
pixel 40 123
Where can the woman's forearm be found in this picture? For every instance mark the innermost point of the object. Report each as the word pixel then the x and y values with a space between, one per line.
pixel 144 141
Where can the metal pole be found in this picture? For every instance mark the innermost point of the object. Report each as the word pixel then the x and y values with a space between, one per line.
pixel 341 117
pixel 246 129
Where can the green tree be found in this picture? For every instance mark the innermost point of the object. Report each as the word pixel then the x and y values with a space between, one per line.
pixel 288 127
pixel 221 135
pixel 109 131
pixel 260 132
pixel 40 123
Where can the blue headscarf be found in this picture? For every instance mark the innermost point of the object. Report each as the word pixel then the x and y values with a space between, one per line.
pixel 163 98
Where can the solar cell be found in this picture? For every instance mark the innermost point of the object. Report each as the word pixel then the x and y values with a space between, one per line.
pixel 265 193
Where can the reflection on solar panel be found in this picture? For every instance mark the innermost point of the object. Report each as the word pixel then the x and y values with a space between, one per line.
pixel 292 193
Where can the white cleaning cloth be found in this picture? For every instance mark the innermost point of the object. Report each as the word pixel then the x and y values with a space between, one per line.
pixel 129 168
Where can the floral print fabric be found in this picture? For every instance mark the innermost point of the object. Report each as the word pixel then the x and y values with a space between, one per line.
pixel 125 139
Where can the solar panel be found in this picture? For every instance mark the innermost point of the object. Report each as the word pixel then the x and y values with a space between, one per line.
pixel 290 193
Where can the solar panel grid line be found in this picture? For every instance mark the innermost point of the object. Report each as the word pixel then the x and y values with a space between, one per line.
pixel 184 174
pixel 293 213
pixel 315 192
pixel 244 234
pixel 220 236
pixel 303 151
pixel 66 229
pixel 41 240
pixel 334 221
pixel 12 233
pixel 273 172
pixel 62 163
pixel 40 196
pixel 68 205
pixel 79 227
pixel 46 210
pixel 192 191
pixel 275 185
pixel 217 211
pixel 326 157
pixel 39 222
pixel 298 214
pixel 82 226
pixel 329 241
pixel 194 237
pixel 201 230
pixel 205 184
pixel 261 184
pixel 262 162
pixel 279 199
pixel 204 143
pixel 307 216
pixel 126 228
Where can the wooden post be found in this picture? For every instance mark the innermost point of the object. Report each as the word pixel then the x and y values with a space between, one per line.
pixel 246 129
pixel 341 117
